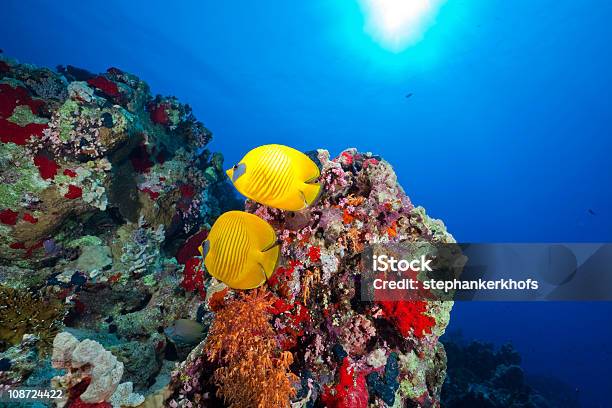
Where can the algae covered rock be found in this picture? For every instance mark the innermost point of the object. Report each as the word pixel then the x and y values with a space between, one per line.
pixel 74 145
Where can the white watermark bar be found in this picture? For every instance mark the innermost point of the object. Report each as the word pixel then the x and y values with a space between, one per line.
pixel 487 272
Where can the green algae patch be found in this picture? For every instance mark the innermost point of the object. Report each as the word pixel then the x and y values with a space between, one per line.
pixel 86 240
pixel 19 175
pixel 22 115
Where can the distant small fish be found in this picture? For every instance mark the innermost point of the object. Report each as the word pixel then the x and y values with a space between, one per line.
pixel 408 95
pixel 592 212
pixel 185 331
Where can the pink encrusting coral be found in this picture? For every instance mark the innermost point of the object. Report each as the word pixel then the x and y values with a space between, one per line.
pixel 337 337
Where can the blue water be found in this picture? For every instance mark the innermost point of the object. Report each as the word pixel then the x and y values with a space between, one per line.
pixel 507 135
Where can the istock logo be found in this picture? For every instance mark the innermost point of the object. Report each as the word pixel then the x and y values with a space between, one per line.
pixel 384 263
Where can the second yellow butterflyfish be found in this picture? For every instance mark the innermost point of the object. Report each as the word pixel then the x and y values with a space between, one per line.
pixel 241 250
pixel 277 176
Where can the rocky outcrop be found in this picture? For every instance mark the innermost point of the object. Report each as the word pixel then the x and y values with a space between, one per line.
pixel 85 154
pixel 346 351
pixel 93 374
pixel 100 184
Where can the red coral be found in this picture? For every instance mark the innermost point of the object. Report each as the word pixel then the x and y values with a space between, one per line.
pixel 105 85
pixel 70 173
pixel 314 253
pixel 348 159
pixel 294 317
pixel 187 190
pixel 159 113
pixel 17 245
pixel 30 218
pixel 190 248
pixel 73 192
pixel 13 133
pixel 408 316
pixel 46 167
pixel 279 306
pixel 369 162
pixel 217 300
pixel 350 392
pixel 11 97
pixel 153 195
pixel 4 67
pixel 193 277
pixel 139 157
pixel 283 274
pixel 8 217
pixel 115 278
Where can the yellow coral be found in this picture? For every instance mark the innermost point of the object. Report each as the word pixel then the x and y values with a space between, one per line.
pixel 253 372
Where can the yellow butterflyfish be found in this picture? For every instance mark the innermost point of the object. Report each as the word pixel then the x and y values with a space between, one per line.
pixel 277 176
pixel 241 250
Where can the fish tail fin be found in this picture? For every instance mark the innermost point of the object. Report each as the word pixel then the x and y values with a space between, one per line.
pixel 312 192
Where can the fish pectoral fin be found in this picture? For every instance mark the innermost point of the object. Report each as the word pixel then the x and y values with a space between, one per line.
pixel 304 199
pixel 311 193
pixel 263 271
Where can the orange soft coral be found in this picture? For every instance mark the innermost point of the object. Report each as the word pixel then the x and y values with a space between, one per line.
pixel 252 372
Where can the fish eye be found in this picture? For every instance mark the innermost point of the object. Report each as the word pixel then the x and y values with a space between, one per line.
pixel 235 166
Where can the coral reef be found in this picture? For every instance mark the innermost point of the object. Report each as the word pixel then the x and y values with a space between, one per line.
pixel 481 376
pixel 105 194
pixel 101 183
pixel 346 351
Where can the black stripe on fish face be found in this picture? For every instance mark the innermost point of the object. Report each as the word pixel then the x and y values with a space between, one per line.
pixel 239 170
pixel 205 249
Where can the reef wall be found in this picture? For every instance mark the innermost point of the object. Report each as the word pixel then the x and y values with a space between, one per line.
pixel 105 194
pixel 100 185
